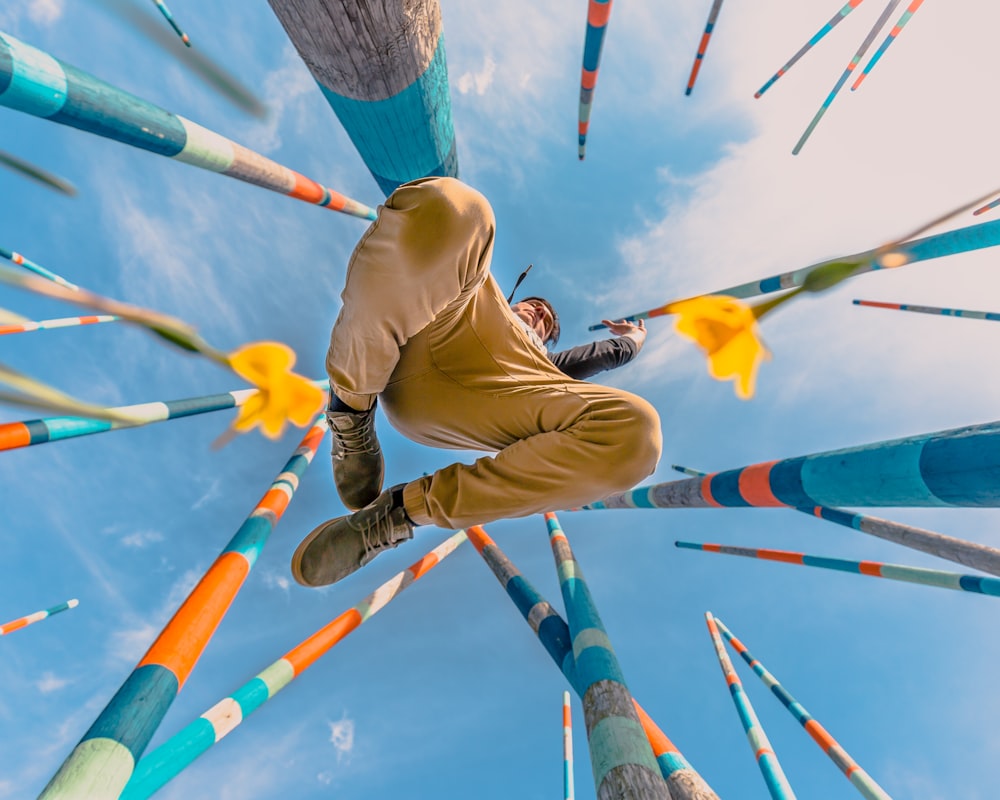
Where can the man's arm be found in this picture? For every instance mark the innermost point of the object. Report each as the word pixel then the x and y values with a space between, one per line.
pixel 587 360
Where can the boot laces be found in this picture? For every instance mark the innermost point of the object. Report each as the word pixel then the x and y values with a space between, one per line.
pixel 356 438
pixel 379 533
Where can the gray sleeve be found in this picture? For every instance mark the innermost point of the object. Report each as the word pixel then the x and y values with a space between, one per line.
pixel 587 360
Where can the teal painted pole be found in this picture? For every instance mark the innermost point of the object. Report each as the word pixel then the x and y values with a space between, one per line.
pixel 860 779
pixel 620 753
pixel 774 777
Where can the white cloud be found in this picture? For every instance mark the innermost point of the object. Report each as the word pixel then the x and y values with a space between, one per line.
pixel 479 82
pixel 342 737
pixel 141 539
pixel 289 90
pixel 50 682
pixel 210 494
pixel 45 12
pixel 276 580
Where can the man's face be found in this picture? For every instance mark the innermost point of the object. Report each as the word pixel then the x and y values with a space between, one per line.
pixel 537 315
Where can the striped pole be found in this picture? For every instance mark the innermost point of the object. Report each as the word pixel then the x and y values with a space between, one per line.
pixel 553 632
pixel 770 767
pixel 49 324
pixel 883 18
pixel 38 616
pixel 51 429
pixel 945 312
pixel 169 17
pixel 861 780
pixel 873 569
pixel 598 14
pixel 567 749
pixel 962 240
pixel 383 69
pixel 960 551
pixel 959 467
pixel 38 269
pixel 36 174
pixel 829 26
pixel 177 753
pixel 699 56
pixel 910 11
pixel 992 204
pixel 620 754
pixel 38 84
pixel 102 763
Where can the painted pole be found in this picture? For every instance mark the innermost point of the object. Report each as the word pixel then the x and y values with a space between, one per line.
pixel 910 11
pixel 51 429
pixel 38 269
pixel 620 754
pixel 883 18
pixel 699 56
pixel 598 14
pixel 553 632
pixel 169 17
pixel 35 173
pixel 177 753
pixel 945 312
pixel 983 209
pixel 952 468
pixel 567 749
pixel 383 69
pixel 873 569
pixel 861 780
pixel 102 763
pixel 960 551
pixel 38 616
pixel 38 84
pixel 962 240
pixel 63 322
pixel 774 777
pixel 829 26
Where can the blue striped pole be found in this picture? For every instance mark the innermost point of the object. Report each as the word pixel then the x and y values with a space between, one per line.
pixel 553 632
pixel 382 68
pixel 770 768
pixel 51 429
pixel 38 84
pixel 38 616
pixel 971 554
pixel 944 312
pixel 598 14
pixel 172 757
pixel 962 240
pixel 860 779
pixel 100 765
pixel 952 468
pixel 620 753
pixel 977 584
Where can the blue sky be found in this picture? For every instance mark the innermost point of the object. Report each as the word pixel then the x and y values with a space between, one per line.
pixel 446 693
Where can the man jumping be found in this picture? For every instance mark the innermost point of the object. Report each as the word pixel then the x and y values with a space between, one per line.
pixel 425 328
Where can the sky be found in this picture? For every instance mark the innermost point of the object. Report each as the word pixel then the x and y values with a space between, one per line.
pixel 447 693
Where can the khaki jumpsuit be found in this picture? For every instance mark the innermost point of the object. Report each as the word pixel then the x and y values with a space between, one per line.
pixel 425 327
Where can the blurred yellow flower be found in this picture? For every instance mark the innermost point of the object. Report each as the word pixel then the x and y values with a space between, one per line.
pixel 726 329
pixel 283 395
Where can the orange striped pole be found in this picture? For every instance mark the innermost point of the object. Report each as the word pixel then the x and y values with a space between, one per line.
pixel 102 763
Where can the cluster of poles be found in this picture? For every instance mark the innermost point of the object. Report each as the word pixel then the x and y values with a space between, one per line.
pixel 826 28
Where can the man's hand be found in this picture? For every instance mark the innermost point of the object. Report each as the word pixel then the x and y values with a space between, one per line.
pixel 636 331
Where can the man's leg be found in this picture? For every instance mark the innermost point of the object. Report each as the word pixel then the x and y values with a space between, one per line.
pixel 422 260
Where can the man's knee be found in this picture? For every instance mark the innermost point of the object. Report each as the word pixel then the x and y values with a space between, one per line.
pixel 639 443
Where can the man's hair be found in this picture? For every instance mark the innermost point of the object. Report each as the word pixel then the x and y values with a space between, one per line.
pixel 553 336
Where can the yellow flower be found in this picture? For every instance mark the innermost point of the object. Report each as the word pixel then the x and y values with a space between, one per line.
pixel 726 329
pixel 283 395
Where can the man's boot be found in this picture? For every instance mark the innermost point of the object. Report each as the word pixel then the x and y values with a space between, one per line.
pixel 340 546
pixel 358 468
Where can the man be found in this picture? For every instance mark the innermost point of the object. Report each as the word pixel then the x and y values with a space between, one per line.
pixel 425 328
